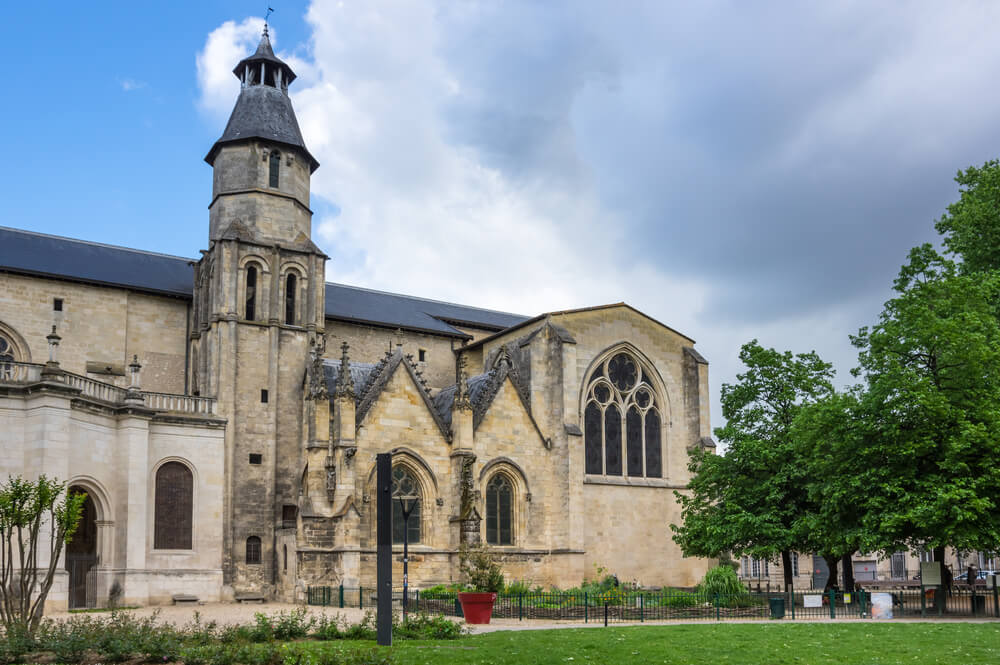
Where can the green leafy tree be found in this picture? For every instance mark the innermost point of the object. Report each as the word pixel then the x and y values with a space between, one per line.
pixel 928 445
pixel 33 519
pixel 971 227
pixel 751 500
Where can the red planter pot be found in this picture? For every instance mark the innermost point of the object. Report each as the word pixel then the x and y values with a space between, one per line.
pixel 477 607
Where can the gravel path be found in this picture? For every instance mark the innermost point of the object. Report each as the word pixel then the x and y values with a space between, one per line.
pixel 230 613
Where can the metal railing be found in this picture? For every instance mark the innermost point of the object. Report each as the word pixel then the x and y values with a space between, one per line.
pixel 676 604
pixel 27 373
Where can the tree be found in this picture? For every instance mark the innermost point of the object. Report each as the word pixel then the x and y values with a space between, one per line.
pixel 32 517
pixel 751 500
pixel 929 443
pixel 971 227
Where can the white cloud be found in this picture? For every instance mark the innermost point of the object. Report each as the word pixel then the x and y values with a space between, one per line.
pixel 518 156
pixel 225 46
pixel 129 85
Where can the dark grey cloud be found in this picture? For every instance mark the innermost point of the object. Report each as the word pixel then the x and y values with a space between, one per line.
pixel 790 155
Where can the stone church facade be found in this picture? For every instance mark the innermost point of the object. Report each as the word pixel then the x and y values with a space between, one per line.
pixel 223 413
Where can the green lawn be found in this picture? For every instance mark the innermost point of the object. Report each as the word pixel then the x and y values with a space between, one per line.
pixel 715 644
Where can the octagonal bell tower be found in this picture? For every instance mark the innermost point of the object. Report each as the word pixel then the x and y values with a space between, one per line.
pixel 258 315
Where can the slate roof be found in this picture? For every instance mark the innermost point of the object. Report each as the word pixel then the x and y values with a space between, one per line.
pixel 77 260
pixel 264 112
pixel 264 53
pixel 360 373
pixel 355 304
pixel 445 399
pixel 31 253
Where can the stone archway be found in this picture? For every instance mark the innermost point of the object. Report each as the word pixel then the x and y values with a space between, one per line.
pixel 81 551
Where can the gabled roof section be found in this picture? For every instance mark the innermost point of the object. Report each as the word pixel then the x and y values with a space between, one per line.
pixel 542 317
pixel 483 389
pixel 393 310
pixel 378 378
pixel 30 253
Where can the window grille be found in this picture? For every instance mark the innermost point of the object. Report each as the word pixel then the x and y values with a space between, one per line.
pixel 172 513
pixel 499 511
pixel 253 550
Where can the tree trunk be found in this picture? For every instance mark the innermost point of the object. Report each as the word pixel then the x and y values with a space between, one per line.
pixel 831 563
pixel 848 566
pixel 786 567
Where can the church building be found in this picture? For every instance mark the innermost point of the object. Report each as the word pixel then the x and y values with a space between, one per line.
pixel 223 413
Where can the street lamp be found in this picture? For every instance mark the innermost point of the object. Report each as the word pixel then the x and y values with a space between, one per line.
pixel 406 504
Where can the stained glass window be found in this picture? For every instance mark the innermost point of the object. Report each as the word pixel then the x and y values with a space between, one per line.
pixel 622 420
pixel 499 511
pixel 172 512
pixel 592 438
pixel 404 484
pixel 612 441
pixel 633 441
pixel 6 351
pixel 654 464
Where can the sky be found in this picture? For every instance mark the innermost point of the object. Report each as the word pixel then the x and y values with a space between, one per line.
pixel 736 170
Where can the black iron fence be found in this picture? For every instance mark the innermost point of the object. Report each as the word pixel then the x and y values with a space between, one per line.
pixel 675 604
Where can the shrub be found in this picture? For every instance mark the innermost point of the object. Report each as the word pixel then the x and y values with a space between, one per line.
pixel 440 591
pixel 292 625
pixel 677 599
pixel 481 567
pixel 68 640
pixel 722 580
pixel 423 626
pixel 363 630
pixel 326 628
pixel 16 642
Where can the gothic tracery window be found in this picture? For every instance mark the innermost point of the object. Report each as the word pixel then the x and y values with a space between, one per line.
pixel 174 504
pixel 6 350
pixel 621 421
pixel 404 483
pixel 499 511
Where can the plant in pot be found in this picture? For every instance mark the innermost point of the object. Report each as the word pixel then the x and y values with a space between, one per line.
pixel 485 578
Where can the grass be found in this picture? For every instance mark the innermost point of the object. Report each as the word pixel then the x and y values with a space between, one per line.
pixel 715 644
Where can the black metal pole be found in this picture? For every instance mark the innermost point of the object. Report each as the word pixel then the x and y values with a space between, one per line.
pixel 406 556
pixel 383 562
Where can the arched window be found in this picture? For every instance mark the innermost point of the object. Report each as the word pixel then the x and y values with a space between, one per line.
pixel 404 483
pixel 273 163
pixel 253 549
pixel 251 294
pixel 621 421
pixel 6 350
pixel 499 511
pixel 290 284
pixel 174 503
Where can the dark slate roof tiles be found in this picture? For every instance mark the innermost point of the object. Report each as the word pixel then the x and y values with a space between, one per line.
pixel 352 303
pixel 53 256
pixel 360 373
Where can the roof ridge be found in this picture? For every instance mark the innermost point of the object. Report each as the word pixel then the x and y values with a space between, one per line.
pixel 96 244
pixel 431 300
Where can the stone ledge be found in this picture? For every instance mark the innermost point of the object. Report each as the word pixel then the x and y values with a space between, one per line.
pixel 625 481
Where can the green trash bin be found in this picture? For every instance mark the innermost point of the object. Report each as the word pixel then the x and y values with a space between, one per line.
pixel 777 608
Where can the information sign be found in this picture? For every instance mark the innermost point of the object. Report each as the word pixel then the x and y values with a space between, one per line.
pixel 930 573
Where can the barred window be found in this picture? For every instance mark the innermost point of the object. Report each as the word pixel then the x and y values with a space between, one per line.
pixel 405 484
pixel 172 513
pixel 253 550
pixel 621 421
pixel 499 511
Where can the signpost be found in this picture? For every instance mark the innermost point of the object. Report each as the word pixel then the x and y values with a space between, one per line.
pixel 383 539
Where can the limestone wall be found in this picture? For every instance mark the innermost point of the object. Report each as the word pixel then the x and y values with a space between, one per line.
pixel 102 325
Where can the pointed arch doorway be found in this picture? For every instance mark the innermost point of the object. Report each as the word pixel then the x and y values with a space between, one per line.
pixel 81 551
